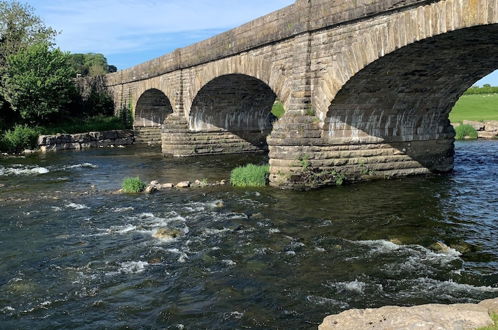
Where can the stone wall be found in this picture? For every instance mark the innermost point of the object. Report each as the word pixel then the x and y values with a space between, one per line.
pixel 85 140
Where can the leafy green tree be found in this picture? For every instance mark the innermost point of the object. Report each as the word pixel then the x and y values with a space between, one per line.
pixel 91 64
pixel 38 82
pixel 20 28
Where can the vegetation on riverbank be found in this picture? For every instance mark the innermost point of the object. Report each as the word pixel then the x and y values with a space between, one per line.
pixel 250 176
pixel 465 132
pixel 38 90
pixel 133 185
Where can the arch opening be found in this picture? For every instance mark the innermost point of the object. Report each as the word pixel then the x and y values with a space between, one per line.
pixel 152 108
pixel 236 110
pixel 404 98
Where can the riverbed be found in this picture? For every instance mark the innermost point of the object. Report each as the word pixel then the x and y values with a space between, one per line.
pixel 74 255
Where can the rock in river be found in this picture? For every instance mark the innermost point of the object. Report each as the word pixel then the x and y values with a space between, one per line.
pixel 166 234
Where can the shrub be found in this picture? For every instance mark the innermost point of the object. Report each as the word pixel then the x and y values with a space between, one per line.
pixel 133 185
pixel 250 176
pixel 20 138
pixel 278 109
pixel 464 131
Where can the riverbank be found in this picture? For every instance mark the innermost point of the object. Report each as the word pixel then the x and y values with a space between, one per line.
pixel 423 317
pixel 485 129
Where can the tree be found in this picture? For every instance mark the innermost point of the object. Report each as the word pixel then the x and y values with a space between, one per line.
pixel 91 64
pixel 38 82
pixel 20 28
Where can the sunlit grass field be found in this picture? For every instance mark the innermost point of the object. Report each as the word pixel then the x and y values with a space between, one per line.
pixel 475 107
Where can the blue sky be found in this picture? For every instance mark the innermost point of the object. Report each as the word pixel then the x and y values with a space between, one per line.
pixel 129 32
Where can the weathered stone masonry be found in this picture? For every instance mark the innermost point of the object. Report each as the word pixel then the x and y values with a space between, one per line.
pixel 367 86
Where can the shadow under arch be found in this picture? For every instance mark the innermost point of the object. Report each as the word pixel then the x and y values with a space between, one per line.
pixel 152 108
pixel 406 96
pixel 237 104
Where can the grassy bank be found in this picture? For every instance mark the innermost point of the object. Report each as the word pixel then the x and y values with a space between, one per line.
pixel 475 107
pixel 23 137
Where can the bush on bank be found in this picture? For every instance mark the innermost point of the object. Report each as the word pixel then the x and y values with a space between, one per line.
pixel 133 185
pixel 465 132
pixel 19 138
pixel 250 176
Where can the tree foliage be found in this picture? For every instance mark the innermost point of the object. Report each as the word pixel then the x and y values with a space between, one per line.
pixel 485 89
pixel 20 28
pixel 91 64
pixel 38 82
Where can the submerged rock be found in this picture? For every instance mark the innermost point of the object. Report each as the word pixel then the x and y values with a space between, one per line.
pixel 440 247
pixel 150 189
pixel 183 184
pixel 166 234
pixel 425 317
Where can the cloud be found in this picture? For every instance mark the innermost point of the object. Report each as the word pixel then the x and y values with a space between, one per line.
pixel 127 26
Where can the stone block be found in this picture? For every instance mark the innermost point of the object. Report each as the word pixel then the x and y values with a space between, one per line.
pixel 478 126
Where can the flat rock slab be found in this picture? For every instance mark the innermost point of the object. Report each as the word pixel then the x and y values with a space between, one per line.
pixel 425 317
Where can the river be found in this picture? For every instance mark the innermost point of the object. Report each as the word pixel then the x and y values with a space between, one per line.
pixel 73 255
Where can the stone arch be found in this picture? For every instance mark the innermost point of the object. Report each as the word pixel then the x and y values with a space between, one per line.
pixel 243 64
pixel 237 104
pixel 152 108
pixel 398 31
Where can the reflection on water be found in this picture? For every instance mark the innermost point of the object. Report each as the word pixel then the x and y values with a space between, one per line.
pixel 74 255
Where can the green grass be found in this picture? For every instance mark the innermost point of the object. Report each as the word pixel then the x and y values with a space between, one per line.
pixel 133 185
pixel 494 317
pixel 475 107
pixel 278 109
pixel 250 176
pixel 465 131
pixel 92 124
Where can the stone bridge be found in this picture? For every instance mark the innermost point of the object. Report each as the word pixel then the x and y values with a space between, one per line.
pixel 367 86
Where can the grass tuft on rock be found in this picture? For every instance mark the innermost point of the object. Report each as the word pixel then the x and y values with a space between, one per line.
pixel 494 317
pixel 133 185
pixel 250 176
pixel 464 132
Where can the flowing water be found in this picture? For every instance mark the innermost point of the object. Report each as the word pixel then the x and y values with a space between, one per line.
pixel 73 255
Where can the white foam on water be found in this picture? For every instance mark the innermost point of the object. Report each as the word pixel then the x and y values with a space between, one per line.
pixel 229 262
pixel 291 253
pixel 274 231
pixel 414 256
pixel 84 165
pixel 130 267
pixel 380 246
pixel 56 208
pixel 237 315
pixel 429 284
pixel 75 206
pixel 212 231
pixel 7 309
pixel 316 300
pixel 23 170
pixel 183 256
pixel 123 209
pixel 320 249
pixel 354 286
